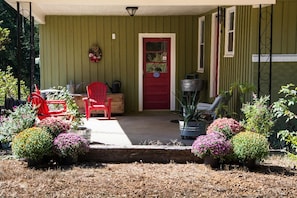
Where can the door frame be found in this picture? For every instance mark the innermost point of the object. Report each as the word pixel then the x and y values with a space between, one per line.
pixel 215 55
pixel 141 36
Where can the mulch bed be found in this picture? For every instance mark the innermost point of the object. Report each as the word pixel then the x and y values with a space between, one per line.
pixel 270 179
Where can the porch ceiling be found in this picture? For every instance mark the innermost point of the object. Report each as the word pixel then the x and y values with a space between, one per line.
pixel 41 8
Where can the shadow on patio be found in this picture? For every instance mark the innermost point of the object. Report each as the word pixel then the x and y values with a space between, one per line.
pixel 137 129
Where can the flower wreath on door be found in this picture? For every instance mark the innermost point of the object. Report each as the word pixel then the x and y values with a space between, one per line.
pixel 95 53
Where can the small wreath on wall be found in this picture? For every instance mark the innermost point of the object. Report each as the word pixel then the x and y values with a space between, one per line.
pixel 95 53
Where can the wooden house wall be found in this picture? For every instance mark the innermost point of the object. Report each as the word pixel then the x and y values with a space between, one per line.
pixel 65 41
pixel 237 69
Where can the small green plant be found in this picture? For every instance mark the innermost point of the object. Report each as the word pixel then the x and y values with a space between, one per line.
pixel 258 116
pixel 21 118
pixel 33 144
pixel 250 146
pixel 70 145
pixel 54 125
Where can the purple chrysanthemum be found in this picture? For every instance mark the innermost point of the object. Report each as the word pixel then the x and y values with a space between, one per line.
pixel 214 144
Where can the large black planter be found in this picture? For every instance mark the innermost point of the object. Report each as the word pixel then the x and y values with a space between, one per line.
pixel 192 130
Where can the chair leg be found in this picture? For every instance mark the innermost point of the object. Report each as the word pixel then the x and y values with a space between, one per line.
pixel 87 113
pixel 109 113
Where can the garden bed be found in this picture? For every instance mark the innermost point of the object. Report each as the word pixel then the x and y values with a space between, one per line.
pixel 274 178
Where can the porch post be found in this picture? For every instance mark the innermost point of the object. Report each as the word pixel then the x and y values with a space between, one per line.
pixel 19 62
pixel 270 55
pixel 32 49
pixel 259 49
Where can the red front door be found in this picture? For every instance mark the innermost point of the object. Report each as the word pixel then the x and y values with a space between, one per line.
pixel 156 78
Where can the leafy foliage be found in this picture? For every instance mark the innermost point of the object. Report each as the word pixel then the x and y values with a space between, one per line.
pixel 8 56
pixel 258 116
pixel 32 143
pixel 4 39
pixel 21 118
pixel 284 108
pixel 189 108
pixel 9 88
pixel 249 145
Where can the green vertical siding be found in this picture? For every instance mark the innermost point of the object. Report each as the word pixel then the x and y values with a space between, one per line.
pixel 65 41
pixel 237 69
pixel 284 42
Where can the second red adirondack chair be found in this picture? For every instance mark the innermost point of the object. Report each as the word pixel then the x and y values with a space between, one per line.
pixel 97 99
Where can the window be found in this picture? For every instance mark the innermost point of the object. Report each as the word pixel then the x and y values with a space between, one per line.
pixel 230 32
pixel 201 43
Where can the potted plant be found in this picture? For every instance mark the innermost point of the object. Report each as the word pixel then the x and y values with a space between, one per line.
pixel 192 123
pixel 211 147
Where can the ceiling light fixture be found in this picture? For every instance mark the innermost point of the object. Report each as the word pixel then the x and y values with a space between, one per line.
pixel 131 10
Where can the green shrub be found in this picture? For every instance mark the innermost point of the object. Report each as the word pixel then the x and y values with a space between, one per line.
pixel 21 118
pixel 9 86
pixel 285 108
pixel 258 116
pixel 250 146
pixel 33 144
pixel 54 125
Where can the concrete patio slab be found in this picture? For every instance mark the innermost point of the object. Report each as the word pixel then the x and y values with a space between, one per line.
pixel 148 127
pixel 106 132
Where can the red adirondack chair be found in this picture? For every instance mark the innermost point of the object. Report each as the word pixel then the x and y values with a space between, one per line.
pixel 97 100
pixel 44 110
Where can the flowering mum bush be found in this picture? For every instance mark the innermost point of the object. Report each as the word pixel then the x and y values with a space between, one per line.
pixel 32 143
pixel 214 144
pixel 54 125
pixel 70 145
pixel 228 126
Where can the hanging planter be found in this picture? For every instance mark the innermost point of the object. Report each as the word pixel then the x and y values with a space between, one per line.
pixel 95 53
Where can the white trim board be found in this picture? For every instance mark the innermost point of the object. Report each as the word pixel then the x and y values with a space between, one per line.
pixel 141 36
pixel 275 58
